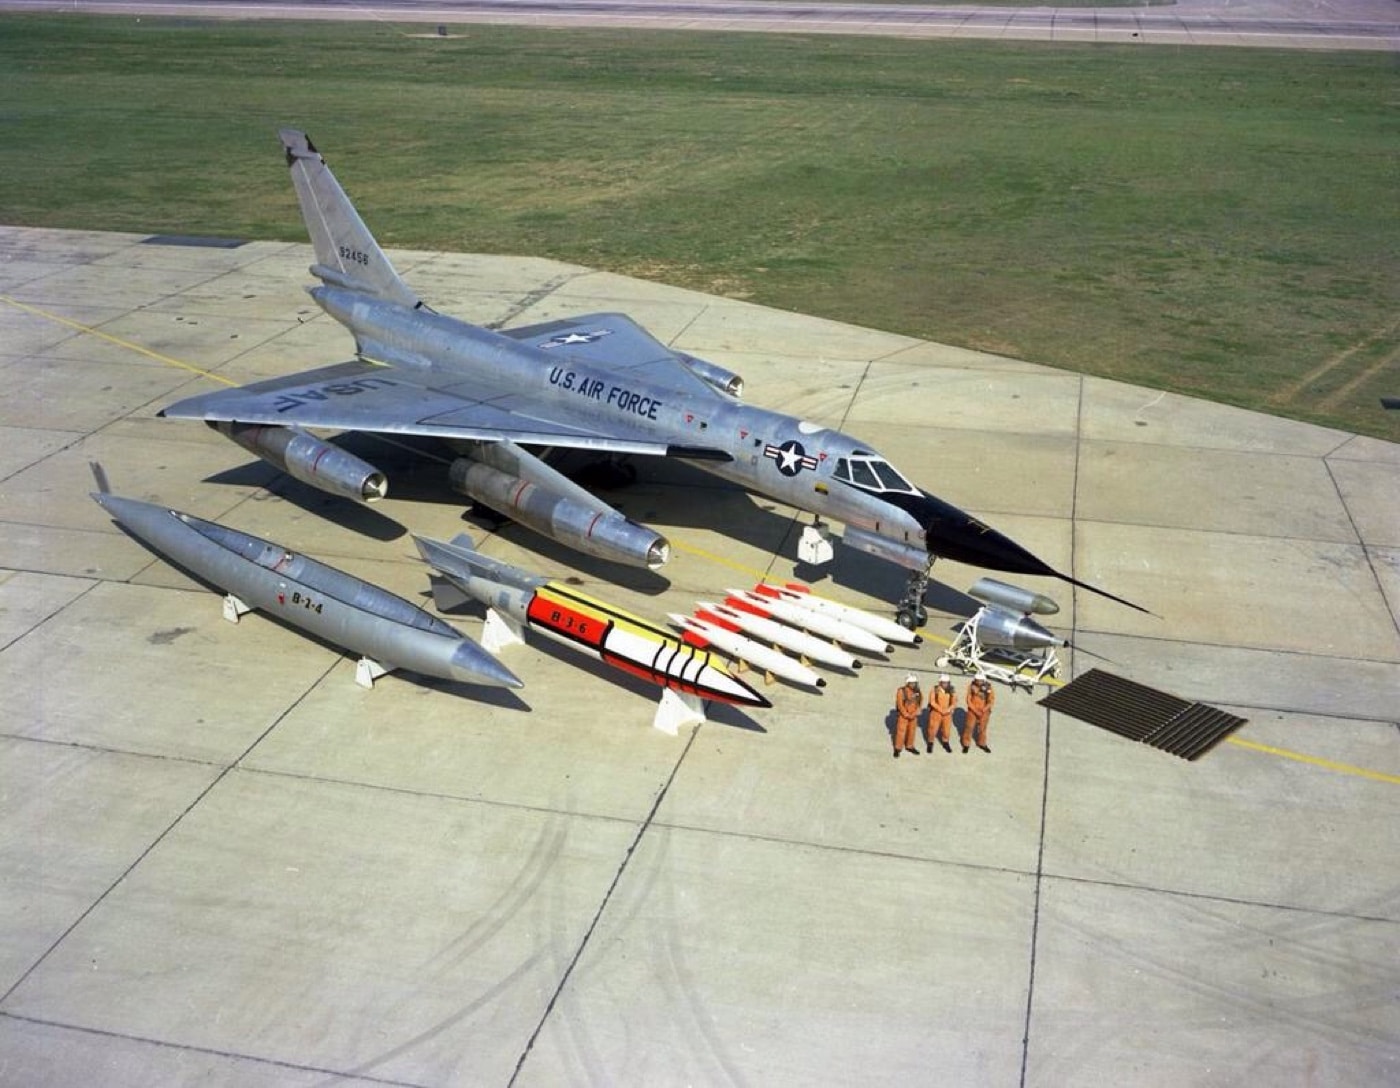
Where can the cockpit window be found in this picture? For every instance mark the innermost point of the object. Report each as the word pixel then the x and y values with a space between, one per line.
pixel 890 478
pixel 864 475
pixel 871 474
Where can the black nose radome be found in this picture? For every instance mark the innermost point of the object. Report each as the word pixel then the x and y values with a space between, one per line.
pixel 954 534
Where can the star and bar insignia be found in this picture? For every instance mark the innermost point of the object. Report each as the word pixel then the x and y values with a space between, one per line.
pixel 568 339
pixel 791 457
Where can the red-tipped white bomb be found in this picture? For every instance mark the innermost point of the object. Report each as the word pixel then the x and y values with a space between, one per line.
pixel 815 622
pixel 727 638
pixel 809 647
pixel 802 596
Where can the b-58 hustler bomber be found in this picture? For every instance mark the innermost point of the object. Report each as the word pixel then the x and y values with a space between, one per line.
pixel 598 382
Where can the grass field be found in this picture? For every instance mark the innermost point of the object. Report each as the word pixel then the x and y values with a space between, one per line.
pixel 1219 222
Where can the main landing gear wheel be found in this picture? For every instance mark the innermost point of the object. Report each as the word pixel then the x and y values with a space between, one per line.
pixel 912 619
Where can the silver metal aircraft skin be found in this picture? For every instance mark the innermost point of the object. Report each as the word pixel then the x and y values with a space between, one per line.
pixel 586 624
pixel 596 382
pixel 388 631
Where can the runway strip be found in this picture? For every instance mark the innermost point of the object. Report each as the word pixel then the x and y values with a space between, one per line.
pixel 1278 24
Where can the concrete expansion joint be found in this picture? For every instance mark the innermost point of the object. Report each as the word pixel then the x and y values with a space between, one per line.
pixel 533 298
pixel 1229 855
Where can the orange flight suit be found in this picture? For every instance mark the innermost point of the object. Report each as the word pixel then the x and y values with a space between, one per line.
pixel 907 704
pixel 980 698
pixel 941 701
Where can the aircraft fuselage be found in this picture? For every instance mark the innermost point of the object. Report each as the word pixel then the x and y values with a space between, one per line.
pixel 803 464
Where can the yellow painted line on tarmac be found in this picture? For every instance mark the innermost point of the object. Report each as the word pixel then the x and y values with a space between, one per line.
pixel 70 323
pixel 691 549
pixel 1050 681
pixel 754 572
pixel 1316 761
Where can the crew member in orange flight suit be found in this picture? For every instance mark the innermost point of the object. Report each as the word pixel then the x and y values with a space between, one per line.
pixel 941 701
pixel 908 701
pixel 980 698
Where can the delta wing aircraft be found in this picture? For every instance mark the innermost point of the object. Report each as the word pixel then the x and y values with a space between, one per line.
pixel 598 382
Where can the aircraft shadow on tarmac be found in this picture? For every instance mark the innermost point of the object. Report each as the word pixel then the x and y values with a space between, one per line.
pixel 502 698
pixel 668 495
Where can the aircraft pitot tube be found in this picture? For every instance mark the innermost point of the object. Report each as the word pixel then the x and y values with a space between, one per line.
pixel 595 382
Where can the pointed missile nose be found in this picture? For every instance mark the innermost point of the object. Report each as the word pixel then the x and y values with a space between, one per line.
pixel 118 506
pixel 473 665
pixel 1009 631
pixel 144 520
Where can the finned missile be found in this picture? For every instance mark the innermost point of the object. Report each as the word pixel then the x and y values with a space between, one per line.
pixel 726 637
pixel 816 622
pixel 600 630
pixel 802 596
pixel 749 618
pixel 1013 598
pixel 1008 631
pixel 388 631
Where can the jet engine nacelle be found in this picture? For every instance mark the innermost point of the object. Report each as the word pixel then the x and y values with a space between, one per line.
pixel 309 460
pixel 604 533
pixel 909 556
pixel 726 381
pixel 1004 631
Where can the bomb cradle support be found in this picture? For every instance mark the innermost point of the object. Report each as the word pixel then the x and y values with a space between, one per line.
pixel 1002 641
pixel 1016 668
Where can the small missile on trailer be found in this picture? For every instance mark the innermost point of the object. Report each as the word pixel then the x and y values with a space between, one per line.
pixel 715 631
pixel 1013 598
pixel 752 620
pixel 387 631
pixel 617 638
pixel 997 629
pixel 802 596
pixel 815 622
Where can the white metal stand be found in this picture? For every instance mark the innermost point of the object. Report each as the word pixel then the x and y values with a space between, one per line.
pixel 815 547
pixel 233 608
pixel 677 709
pixel 1017 668
pixel 367 671
pixel 499 632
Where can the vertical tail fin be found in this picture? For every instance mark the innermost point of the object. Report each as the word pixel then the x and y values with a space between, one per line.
pixel 346 253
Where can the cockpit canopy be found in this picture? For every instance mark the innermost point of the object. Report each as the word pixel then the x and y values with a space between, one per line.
pixel 870 472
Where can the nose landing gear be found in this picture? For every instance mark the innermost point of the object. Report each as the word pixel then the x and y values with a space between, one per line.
pixel 910 612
